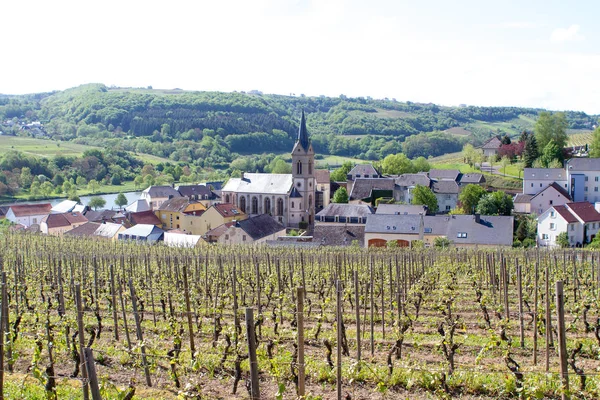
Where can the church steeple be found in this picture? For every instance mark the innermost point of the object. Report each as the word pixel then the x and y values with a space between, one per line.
pixel 303 133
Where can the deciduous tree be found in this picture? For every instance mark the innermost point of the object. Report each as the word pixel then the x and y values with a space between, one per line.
pixel 422 195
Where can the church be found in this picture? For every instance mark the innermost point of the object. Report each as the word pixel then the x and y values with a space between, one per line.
pixel 288 198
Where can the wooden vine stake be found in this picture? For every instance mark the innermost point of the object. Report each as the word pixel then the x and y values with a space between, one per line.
pixel 140 337
pixel 520 292
pixel 114 301
pixel 562 339
pixel 254 388
pixel 300 319
pixel 188 310
pixel 2 324
pixel 90 365
pixel 535 314
pixel 357 309
pixel 84 373
pixel 338 286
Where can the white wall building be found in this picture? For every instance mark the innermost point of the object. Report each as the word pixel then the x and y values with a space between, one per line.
pixel 537 179
pixel 581 221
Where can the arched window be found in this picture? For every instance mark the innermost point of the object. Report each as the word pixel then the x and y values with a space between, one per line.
pixel 267 205
pixel 280 207
pixel 299 168
pixel 243 204
pixel 309 167
pixel 254 205
pixel 293 205
pixel 226 198
pixel 310 200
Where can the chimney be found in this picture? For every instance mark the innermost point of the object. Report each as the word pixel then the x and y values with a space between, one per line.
pixel 477 218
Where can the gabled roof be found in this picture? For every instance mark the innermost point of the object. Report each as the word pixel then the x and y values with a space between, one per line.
pixel 64 206
pixel 400 209
pixel 144 230
pixel 445 187
pixel 564 212
pixel 346 210
pixel 584 211
pixel 144 217
pixel 521 198
pixel 138 206
pixel 493 143
pixel 322 176
pixel 407 224
pixel 260 226
pixel 413 180
pixel 444 174
pixel 99 216
pixel 3 210
pixel 173 239
pixel 583 164
pixel 85 230
pixel 473 177
pixel 25 210
pixel 490 230
pixel 295 194
pixel 196 190
pixel 219 230
pixel 64 219
pixel 176 204
pixel 338 235
pixel 162 191
pixel 108 230
pixel 545 174
pixel 260 183
pixel 227 210
pixel 364 170
pixel 363 187
pixel 554 186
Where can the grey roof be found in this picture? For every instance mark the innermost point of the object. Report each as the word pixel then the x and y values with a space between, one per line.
pixel 337 235
pixel 64 206
pixel 541 174
pixel 363 186
pixel 295 194
pixel 473 177
pixel 583 164
pixel 346 210
pixel 493 143
pixel 522 198
pixel 162 191
pixel 364 169
pixel 150 232
pixel 86 229
pixel 260 183
pixel 444 174
pixel 445 187
pixel 138 206
pixel 196 190
pixel 303 133
pixel 176 204
pixel 393 224
pixel 400 209
pixel 99 216
pixel 413 180
pixel 108 230
pixel 260 226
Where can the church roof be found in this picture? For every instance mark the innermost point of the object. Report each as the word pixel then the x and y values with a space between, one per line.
pixel 295 193
pixel 303 133
pixel 260 183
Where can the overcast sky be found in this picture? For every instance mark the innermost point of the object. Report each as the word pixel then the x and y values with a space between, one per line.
pixel 511 53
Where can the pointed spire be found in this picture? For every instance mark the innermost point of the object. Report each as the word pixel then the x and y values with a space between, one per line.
pixel 303 133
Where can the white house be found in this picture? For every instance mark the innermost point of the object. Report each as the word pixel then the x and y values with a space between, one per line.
pixel 581 221
pixel 552 195
pixel 583 177
pixel 537 179
pixel 156 195
pixel 28 214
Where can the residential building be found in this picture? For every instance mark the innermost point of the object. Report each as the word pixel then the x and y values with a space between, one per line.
pixel 400 209
pixel 367 190
pixel 550 196
pixel 339 235
pixel 583 177
pixel 406 183
pixel 171 212
pixel 537 179
pixel 57 224
pixel 109 230
pixel 444 174
pixel 323 191
pixel 68 206
pixel 288 198
pixel 581 221
pixel 473 178
pixel 522 203
pixel 143 217
pixel 86 230
pixel 28 214
pixel 491 147
pixel 446 193
pixel 254 230
pixel 201 193
pixel 100 215
pixel 156 195
pixel 138 206
pixel 142 233
pixel 360 171
pixel 216 215
pixel 344 214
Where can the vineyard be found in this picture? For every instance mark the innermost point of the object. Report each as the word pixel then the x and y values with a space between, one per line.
pixel 98 319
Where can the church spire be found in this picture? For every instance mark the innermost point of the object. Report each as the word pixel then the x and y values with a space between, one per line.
pixel 303 133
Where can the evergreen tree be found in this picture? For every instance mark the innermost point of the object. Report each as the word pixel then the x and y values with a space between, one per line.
pixel 522 230
pixel 505 139
pixel 530 153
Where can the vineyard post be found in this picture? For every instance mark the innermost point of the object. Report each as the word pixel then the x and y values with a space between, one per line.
pixel 140 337
pixel 258 302
pixel 520 289
pixel 357 309
pixel 548 318
pixel 382 301
pixel 2 324
pixel 6 323
pixel 252 353
pixel 562 340
pixel 84 373
pixel 300 308
pixel 339 337
pixel 186 294
pixel 91 368
pixel 505 283
pixel 574 278
pixel 372 306
pixel 114 301
pixel 97 297
pixel 124 316
pixel 535 313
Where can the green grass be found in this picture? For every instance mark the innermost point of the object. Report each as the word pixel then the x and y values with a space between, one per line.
pixel 338 160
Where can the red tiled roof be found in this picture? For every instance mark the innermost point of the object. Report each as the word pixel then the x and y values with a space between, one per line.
pixel 65 219
pixel 566 214
pixel 144 217
pixel 227 209
pixel 585 211
pixel 23 210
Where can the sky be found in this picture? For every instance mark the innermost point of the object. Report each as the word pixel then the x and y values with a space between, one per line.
pixel 527 53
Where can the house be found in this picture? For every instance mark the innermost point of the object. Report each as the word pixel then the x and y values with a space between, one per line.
pixel 254 230
pixel 344 214
pixel 86 230
pixel 142 233
pixel 583 177
pixel 552 195
pixel 491 147
pixel 100 215
pixel 360 171
pixel 446 192
pixel 156 195
pixel 288 198
pixel 201 193
pixel 444 174
pixel 581 221
pixel 57 224
pixel 138 206
pixel 28 214
pixel 182 240
pixel 406 183
pixel 68 206
pixel 171 212
pixel 473 178
pixel 339 235
pixel 216 215
pixel 109 230
pixel 143 217
pixel 522 203
pixel 462 230
pixel 3 211
pixel 537 179
pixel 367 190
pixel 323 191
pixel 400 209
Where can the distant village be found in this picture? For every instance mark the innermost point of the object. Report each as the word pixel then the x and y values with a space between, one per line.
pixel 297 210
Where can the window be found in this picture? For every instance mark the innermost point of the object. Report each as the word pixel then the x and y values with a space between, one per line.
pixel 267 205
pixel 254 205
pixel 299 167
pixel 586 189
pixel 243 204
pixel 552 214
pixel 310 200
pixel 552 226
pixel 532 185
pixel 244 238
pixel 596 178
pixel 572 227
pixel 540 185
pixel 280 207
pixel 164 216
pixel 227 237
pixel 461 235
pixel 226 198
pixel 595 188
pixel 571 238
pixel 586 178
pixel 448 208
pixel 309 167
pixel 550 202
pixel 293 205
pixel 544 236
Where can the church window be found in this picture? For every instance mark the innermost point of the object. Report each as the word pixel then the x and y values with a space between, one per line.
pixel 299 168
pixel 243 204
pixel 280 207
pixel 226 198
pixel 254 205
pixel 267 205
pixel 293 204
pixel 310 167
pixel 310 200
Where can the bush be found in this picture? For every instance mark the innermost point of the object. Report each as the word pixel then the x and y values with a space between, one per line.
pixel 303 225
pixel 517 243
pixel 528 242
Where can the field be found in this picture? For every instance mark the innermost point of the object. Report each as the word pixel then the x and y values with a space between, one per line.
pixel 580 138
pixel 169 323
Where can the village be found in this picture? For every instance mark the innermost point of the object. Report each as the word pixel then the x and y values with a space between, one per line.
pixel 297 209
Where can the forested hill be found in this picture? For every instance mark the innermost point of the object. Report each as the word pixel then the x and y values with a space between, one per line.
pixel 187 125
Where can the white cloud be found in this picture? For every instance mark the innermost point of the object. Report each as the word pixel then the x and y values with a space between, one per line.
pixel 561 35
